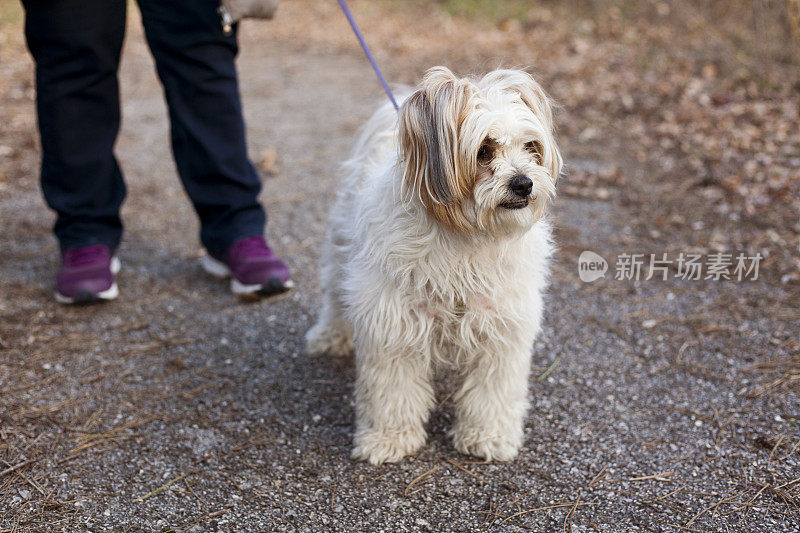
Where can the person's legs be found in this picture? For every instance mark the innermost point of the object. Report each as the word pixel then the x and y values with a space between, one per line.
pixel 195 62
pixel 76 46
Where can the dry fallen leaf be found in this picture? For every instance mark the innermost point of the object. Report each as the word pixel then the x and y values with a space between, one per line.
pixel 268 161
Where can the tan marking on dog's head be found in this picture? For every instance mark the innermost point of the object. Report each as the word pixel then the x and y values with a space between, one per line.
pixel 431 140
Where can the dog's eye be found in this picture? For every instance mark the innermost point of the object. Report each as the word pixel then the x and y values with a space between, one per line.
pixel 484 153
pixel 534 147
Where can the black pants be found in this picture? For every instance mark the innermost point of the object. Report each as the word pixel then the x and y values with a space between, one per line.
pixel 76 46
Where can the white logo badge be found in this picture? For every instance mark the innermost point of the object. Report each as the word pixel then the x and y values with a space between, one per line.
pixel 591 266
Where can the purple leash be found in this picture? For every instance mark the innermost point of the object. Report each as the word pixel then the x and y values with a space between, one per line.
pixel 364 46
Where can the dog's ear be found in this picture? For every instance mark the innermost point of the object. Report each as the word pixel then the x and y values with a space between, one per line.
pixel 534 97
pixel 435 169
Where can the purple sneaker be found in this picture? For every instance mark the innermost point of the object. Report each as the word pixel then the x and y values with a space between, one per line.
pixel 87 275
pixel 253 268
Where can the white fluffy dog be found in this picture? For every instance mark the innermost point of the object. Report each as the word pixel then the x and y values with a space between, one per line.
pixel 436 259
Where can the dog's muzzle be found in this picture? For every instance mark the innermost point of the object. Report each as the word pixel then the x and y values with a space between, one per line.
pixel 520 186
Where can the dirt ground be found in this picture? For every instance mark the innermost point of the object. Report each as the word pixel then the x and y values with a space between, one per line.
pixel 657 405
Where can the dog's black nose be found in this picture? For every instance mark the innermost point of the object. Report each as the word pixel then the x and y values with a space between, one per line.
pixel 521 185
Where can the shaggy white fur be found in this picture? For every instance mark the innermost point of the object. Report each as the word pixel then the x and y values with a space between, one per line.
pixel 436 258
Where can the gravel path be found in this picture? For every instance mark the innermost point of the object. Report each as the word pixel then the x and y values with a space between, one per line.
pixel 178 408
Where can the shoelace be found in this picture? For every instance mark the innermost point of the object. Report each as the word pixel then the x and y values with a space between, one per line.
pixel 251 246
pixel 85 255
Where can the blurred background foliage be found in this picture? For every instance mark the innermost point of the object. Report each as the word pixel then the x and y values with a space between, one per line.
pixel 749 36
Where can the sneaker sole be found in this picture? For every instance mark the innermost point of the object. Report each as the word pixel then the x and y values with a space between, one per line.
pixel 86 297
pixel 273 287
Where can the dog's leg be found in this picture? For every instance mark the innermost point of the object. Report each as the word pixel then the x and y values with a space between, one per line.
pixel 331 334
pixel 492 403
pixel 394 397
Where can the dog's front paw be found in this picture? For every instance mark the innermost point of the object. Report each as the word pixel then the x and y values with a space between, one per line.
pixel 378 447
pixel 488 446
pixel 326 339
